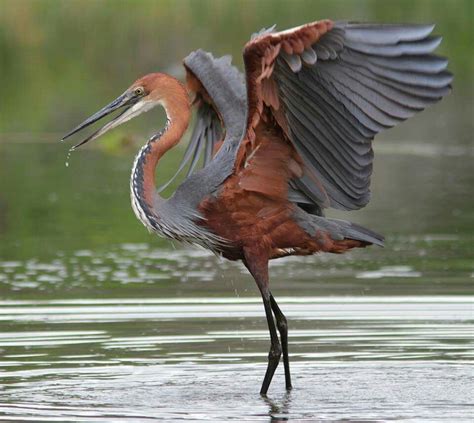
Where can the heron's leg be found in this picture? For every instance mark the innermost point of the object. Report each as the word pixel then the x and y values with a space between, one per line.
pixel 282 326
pixel 259 270
pixel 275 348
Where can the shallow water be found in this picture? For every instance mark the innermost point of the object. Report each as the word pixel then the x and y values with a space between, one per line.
pixel 101 322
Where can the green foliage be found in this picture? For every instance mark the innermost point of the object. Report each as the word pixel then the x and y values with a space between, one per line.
pixel 61 60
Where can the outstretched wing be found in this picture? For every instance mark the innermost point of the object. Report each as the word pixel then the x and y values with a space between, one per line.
pixel 211 80
pixel 330 87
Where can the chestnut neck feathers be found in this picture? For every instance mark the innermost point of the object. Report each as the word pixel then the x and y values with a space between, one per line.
pixel 171 94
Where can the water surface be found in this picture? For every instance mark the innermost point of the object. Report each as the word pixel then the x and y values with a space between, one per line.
pixel 100 321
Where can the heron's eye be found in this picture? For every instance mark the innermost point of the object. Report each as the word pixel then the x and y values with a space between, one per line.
pixel 138 91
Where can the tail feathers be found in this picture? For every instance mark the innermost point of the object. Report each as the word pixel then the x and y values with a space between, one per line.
pixel 338 230
pixel 359 233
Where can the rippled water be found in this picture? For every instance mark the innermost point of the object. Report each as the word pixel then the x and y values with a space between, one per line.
pixel 178 354
pixel 100 322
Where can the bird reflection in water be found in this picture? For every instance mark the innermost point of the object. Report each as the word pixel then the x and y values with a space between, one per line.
pixel 278 410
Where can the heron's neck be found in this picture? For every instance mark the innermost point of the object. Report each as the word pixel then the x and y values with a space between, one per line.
pixel 144 196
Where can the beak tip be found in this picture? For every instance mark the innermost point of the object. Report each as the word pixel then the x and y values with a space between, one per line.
pixel 67 136
pixel 122 101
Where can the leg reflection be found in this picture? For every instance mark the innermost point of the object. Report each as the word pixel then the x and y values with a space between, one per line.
pixel 279 409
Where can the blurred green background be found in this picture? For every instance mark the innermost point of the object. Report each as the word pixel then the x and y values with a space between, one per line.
pixel 95 311
pixel 63 60
pixel 60 60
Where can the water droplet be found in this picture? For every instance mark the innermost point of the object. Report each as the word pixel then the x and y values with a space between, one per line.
pixel 68 156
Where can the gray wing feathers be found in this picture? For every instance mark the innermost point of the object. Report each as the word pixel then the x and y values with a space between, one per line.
pixel 385 33
pixel 359 80
pixel 336 228
pixel 263 31
pixel 206 132
pixel 224 84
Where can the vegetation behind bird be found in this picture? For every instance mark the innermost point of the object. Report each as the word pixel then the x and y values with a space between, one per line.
pixel 291 138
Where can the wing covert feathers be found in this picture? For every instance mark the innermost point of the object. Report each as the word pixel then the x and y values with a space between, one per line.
pixel 331 87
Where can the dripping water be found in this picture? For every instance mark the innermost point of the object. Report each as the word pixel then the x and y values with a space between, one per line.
pixel 68 156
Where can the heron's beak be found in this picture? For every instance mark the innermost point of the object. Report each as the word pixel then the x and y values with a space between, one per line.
pixel 126 101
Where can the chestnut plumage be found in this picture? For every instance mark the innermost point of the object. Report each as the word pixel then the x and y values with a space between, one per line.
pixel 280 143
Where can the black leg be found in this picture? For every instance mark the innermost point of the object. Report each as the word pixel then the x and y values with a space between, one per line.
pixel 275 348
pixel 258 267
pixel 282 326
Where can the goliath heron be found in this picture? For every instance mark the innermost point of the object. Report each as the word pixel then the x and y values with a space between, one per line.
pixel 280 144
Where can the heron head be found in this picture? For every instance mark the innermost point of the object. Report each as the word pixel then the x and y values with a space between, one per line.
pixel 144 94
